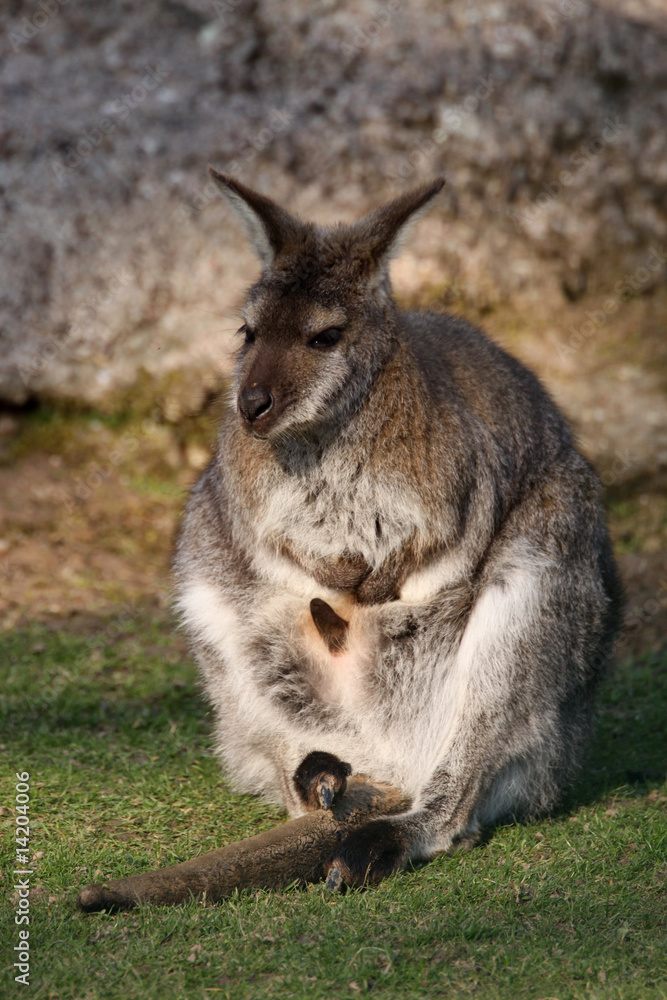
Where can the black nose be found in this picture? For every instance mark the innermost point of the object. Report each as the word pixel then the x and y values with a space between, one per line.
pixel 255 402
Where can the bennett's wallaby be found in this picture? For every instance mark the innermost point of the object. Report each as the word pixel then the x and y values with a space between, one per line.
pixel 397 560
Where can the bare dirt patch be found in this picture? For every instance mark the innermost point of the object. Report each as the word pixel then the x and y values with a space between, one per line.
pixel 84 539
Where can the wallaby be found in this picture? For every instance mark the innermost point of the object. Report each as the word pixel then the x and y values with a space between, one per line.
pixel 396 562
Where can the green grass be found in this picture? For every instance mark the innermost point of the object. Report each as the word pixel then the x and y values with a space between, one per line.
pixel 116 739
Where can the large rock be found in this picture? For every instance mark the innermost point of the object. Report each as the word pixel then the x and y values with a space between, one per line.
pixel 121 268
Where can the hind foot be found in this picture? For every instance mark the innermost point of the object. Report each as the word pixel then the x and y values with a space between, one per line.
pixel 368 855
pixel 319 778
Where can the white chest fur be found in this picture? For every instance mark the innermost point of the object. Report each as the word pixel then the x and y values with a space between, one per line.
pixel 338 506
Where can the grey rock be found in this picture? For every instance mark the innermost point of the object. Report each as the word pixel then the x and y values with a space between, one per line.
pixel 120 263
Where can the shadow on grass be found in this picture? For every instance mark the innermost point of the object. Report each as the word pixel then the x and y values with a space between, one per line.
pixel 60 690
pixel 629 747
pixel 66 716
pixel 56 695
pixel 137 703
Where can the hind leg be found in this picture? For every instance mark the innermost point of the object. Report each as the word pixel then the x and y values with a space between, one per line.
pixel 519 704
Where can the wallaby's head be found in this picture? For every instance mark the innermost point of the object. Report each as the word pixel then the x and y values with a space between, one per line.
pixel 320 322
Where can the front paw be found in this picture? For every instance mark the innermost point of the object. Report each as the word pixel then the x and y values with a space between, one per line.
pixel 368 855
pixel 319 778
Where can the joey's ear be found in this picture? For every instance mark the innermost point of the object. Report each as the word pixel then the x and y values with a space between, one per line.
pixel 380 233
pixel 269 226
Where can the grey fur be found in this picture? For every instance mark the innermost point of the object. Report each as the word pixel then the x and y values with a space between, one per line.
pixel 422 482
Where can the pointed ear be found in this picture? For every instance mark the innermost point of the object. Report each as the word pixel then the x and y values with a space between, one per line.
pixel 380 233
pixel 269 227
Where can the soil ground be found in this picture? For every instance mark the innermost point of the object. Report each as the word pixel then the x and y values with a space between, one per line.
pixel 100 703
pixel 90 503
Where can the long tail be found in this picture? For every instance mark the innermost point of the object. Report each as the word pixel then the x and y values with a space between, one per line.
pixel 295 851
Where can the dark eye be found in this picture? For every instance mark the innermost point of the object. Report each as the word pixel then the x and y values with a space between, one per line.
pixel 326 339
pixel 249 335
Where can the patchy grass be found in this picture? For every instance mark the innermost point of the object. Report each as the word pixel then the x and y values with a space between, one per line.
pixel 112 729
pixel 83 437
pixel 639 522
pixel 89 506
pixel 102 708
